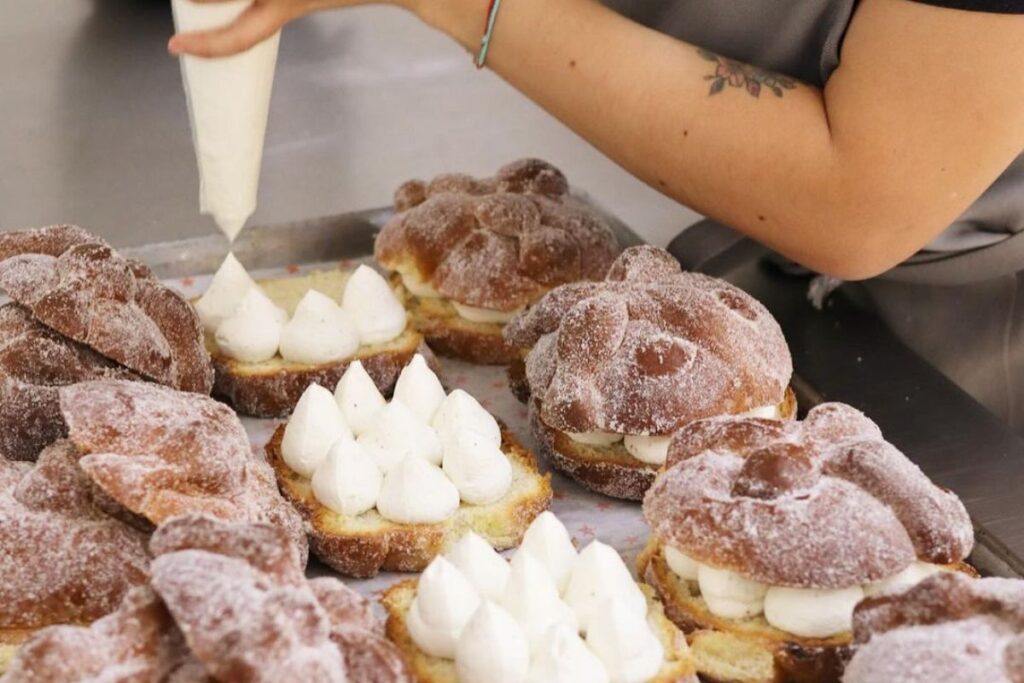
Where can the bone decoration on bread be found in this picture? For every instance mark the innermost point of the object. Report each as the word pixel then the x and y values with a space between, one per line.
pixel 162 453
pixel 77 285
pixel 947 628
pixel 226 603
pixel 551 615
pixel 248 326
pixel 69 554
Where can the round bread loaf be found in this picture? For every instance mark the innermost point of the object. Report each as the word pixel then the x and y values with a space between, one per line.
pixel 822 503
pixel 497 243
pixel 649 349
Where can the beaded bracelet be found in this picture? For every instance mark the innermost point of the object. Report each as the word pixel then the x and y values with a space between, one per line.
pixel 485 42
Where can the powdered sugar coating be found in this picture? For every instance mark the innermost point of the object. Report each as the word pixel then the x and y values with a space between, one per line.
pixel 947 628
pixel 91 294
pixel 650 349
pixel 496 243
pixel 137 642
pixel 238 594
pixel 63 560
pixel 823 503
pixel 162 453
pixel 34 362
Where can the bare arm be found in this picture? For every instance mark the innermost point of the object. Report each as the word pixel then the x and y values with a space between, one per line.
pixel 925 111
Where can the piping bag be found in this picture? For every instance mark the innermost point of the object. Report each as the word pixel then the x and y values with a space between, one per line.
pixel 228 103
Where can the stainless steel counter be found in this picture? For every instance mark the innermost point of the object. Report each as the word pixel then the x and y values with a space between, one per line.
pixel 94 130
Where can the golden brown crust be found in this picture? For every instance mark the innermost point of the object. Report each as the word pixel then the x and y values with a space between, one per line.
pixel 679 667
pixel 609 470
pixel 368 544
pixel 499 242
pixel 451 335
pixel 92 295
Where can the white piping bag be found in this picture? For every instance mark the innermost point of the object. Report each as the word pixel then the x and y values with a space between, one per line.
pixel 228 103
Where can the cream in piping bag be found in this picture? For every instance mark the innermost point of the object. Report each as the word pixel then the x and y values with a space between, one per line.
pixel 228 102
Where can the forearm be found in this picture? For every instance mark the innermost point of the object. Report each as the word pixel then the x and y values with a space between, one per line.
pixel 772 167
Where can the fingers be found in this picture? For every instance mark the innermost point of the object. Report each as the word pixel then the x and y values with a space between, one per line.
pixel 254 25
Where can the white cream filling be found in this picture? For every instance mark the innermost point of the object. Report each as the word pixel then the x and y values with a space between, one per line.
pixel 531 634
pixel 805 612
pixel 351 474
pixel 484 315
pixel 319 332
pixel 419 287
pixel 652 450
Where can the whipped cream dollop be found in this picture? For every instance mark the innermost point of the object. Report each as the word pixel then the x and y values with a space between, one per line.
pixel 914 574
pixel 347 481
pixel 624 642
pixel 729 594
pixel 542 627
pixel 599 439
pixel 315 425
pixel 563 657
pixel 376 312
pixel 811 612
pixel 420 389
pixel 652 450
pixel 253 332
pixel 397 434
pixel 480 470
pixel 319 332
pixel 358 398
pixel 485 315
pixel 531 597
pixel 599 575
pixel 416 492
pixel 459 411
pixel 492 648
pixel 682 564
pixel 444 603
pixel 419 287
pixel 220 300
pixel 481 564
pixel 548 540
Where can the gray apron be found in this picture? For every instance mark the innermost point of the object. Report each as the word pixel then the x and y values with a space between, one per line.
pixel 959 302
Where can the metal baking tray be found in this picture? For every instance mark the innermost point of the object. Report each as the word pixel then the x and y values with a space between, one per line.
pixel 843 353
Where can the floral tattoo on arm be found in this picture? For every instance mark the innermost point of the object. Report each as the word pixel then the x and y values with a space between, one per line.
pixel 738 75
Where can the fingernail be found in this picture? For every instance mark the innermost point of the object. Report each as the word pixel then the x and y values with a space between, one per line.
pixel 172 46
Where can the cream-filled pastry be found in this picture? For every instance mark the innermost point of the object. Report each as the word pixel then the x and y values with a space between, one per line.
pixel 613 369
pixel 768 533
pixel 472 254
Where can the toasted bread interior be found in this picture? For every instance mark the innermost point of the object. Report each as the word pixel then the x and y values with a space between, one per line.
pixel 351 544
pixel 678 666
